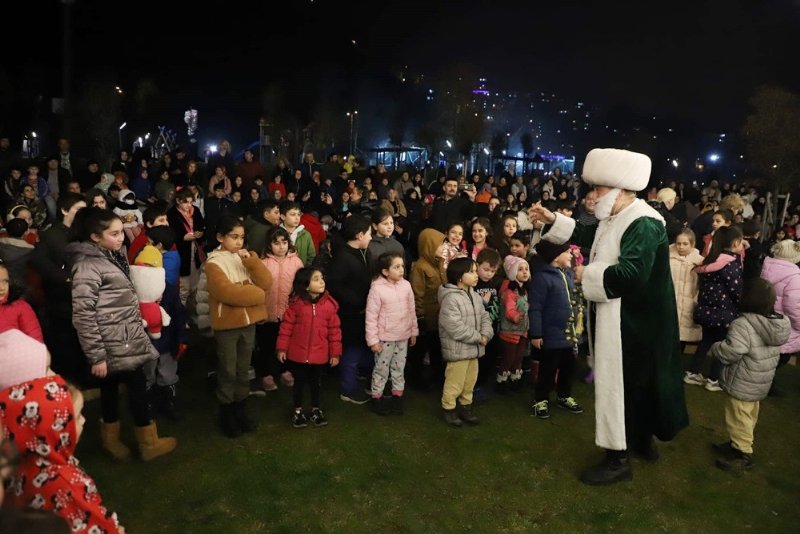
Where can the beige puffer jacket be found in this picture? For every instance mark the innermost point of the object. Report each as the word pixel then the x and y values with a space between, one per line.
pixel 105 311
pixel 686 286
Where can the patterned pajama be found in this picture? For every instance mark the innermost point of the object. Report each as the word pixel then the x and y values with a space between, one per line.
pixel 391 362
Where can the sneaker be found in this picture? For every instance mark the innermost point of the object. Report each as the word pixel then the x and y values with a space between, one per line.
pixel 287 379
pixel 268 383
pixel 318 417
pixel 712 385
pixel 357 397
pixel 299 419
pixel 256 390
pixel 569 404
pixel 695 379
pixel 542 409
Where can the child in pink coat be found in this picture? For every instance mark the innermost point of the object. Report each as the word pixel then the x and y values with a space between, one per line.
pixel 282 261
pixel 391 327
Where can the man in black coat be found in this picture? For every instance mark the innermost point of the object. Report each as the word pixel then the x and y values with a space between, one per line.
pixel 451 208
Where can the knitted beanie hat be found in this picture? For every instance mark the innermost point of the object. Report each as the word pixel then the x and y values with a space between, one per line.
pixel 549 251
pixel 511 266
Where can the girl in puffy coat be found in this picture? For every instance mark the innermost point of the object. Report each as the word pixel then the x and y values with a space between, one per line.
pixel 105 313
pixel 683 258
pixel 718 300
pixel 783 272
pixel 310 337
pixel 750 356
pixel 464 329
pixel 282 261
pixel 391 327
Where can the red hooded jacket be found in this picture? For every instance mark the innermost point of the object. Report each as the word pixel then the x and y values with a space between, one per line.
pixel 38 416
pixel 311 332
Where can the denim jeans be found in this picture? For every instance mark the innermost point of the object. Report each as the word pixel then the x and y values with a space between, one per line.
pixel 353 358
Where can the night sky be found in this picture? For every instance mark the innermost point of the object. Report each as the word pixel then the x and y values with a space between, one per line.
pixel 676 59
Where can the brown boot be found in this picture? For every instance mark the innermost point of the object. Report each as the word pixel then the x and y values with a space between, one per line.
pixel 150 445
pixel 109 437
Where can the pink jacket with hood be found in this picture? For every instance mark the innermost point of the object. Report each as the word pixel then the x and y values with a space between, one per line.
pixel 785 276
pixel 283 272
pixel 390 314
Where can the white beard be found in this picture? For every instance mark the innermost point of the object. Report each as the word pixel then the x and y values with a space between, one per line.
pixel 604 205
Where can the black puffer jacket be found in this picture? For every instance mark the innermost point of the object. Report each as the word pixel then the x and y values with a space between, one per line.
pixel 105 311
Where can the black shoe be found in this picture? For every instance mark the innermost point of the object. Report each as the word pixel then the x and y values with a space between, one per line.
pixel 466 415
pixel 227 420
pixel 166 402
pixel 647 452
pixel 380 406
pixel 451 418
pixel 318 417
pixel 725 447
pixel 396 405
pixel 737 461
pixel 245 423
pixel 299 419
pixel 615 467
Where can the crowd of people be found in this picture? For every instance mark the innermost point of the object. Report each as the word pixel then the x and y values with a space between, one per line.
pixel 471 286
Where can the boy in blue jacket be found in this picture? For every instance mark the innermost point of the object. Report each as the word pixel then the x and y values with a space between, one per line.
pixel 552 327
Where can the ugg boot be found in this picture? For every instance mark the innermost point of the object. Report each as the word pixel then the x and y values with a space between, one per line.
pixel 109 437
pixel 466 415
pixel 615 467
pixel 451 418
pixel 227 421
pixel 244 422
pixel 150 445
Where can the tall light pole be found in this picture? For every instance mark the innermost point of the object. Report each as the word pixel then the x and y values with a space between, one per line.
pixel 351 116
pixel 121 127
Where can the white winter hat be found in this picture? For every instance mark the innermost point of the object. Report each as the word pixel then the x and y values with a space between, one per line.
pixel 612 167
pixel 788 250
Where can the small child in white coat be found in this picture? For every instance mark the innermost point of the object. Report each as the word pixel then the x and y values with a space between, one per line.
pixel 391 327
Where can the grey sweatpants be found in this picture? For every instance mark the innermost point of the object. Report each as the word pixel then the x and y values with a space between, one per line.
pixel 391 362
pixel 162 372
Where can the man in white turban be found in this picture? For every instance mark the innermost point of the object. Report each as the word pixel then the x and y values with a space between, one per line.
pixel 635 341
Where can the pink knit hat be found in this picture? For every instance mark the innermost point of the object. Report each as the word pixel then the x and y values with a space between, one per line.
pixel 511 266
pixel 22 358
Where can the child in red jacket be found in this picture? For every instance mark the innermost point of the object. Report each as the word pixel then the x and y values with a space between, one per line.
pixel 310 336
pixel 15 312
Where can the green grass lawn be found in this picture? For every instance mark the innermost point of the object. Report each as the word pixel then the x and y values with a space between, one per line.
pixel 411 473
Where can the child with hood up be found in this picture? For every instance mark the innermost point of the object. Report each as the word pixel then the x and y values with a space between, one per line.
pixel 43 417
pixel 427 275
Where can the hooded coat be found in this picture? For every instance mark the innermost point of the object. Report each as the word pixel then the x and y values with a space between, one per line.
pixel 39 417
pixel 237 289
pixel 427 276
pixel 785 277
pixel 750 353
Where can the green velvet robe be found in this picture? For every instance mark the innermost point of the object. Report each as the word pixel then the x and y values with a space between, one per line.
pixel 651 354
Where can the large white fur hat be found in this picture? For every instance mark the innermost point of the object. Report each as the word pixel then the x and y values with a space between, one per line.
pixel 612 167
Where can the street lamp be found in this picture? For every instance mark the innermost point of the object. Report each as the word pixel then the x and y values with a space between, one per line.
pixel 121 127
pixel 352 116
